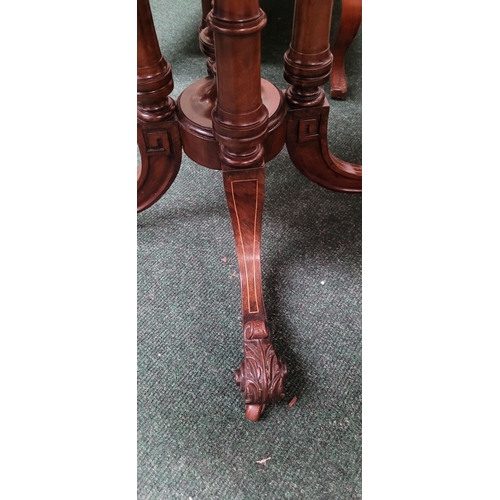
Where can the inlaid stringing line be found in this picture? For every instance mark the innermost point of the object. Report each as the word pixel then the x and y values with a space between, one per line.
pixel 243 245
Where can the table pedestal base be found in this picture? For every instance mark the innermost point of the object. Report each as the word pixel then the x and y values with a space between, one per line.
pixel 194 114
pixel 235 121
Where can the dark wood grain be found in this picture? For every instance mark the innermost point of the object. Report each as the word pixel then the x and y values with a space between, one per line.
pixel 307 144
pixel 260 376
pixel 350 21
pixel 307 67
pixel 207 37
pixel 236 122
pixel 158 135
pixel 194 112
pixel 240 121
pixel 308 60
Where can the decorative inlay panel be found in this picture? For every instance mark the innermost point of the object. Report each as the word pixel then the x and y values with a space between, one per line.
pixel 246 227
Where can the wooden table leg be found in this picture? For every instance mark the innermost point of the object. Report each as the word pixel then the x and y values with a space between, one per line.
pixel 237 125
pixel 207 37
pixel 307 67
pixel 240 122
pixel 350 21
pixel 158 135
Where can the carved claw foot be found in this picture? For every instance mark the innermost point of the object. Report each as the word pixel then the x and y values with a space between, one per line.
pixel 262 373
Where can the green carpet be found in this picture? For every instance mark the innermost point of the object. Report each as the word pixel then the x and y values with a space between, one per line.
pixel 193 439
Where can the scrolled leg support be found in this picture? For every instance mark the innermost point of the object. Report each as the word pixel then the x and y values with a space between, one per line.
pixel 158 135
pixel 307 67
pixel 307 145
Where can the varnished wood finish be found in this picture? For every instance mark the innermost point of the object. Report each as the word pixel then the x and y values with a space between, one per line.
pixel 261 374
pixel 207 37
pixel 158 135
pixel 194 113
pixel 308 60
pixel 350 21
pixel 240 118
pixel 160 151
pixel 235 121
pixel 206 7
pixel 307 67
pixel 240 122
pixel 154 74
pixel 307 146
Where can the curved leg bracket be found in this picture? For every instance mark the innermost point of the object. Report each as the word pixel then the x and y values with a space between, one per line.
pixel 161 153
pixel 307 145
pixel 158 134
pixel 307 67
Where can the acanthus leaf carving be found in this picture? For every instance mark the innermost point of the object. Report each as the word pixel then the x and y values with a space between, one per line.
pixel 261 374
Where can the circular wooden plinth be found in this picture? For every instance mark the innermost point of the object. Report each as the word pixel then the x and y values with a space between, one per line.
pixel 194 114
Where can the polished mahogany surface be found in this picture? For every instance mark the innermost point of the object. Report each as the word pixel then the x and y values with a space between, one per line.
pixel 235 121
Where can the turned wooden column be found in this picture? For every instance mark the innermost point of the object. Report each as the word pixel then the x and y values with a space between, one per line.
pixel 239 118
pixel 207 37
pixel 154 74
pixel 240 108
pixel 309 59
pixel 240 123
pixel 307 67
pixel 158 136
